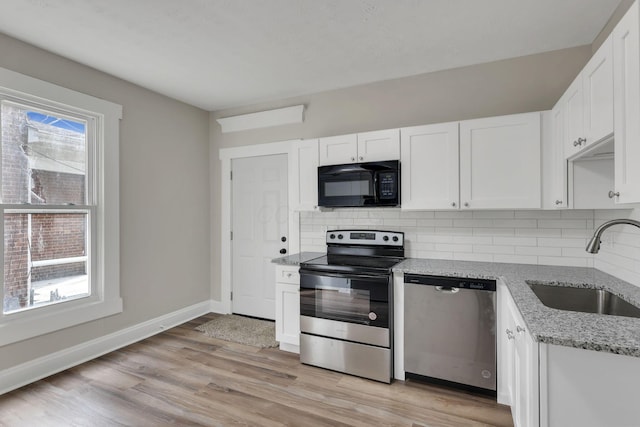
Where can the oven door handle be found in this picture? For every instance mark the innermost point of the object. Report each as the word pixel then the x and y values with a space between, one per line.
pixel 343 275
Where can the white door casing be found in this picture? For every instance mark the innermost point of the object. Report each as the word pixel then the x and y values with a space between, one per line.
pixel 227 155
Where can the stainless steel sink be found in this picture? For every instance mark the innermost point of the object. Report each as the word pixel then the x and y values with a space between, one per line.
pixel 585 300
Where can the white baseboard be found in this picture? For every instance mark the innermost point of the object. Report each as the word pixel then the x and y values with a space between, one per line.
pixel 34 370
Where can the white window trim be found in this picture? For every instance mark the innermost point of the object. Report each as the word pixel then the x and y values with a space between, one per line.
pixel 39 321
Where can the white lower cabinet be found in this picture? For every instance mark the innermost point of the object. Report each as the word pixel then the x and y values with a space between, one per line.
pixel 550 385
pixel 588 388
pixel 517 363
pixel 288 308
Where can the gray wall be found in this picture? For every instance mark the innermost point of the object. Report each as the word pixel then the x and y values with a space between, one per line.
pixel 164 202
pixel 510 86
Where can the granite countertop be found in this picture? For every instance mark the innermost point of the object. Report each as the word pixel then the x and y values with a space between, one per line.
pixel 296 259
pixel 599 332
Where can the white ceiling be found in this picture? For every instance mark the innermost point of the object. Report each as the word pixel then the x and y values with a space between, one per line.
pixel 216 54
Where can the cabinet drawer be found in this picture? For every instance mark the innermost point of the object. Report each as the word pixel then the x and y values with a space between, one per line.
pixel 288 274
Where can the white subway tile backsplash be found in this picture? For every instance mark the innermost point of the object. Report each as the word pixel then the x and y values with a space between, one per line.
pixel 537 250
pixel 494 232
pixel 465 256
pixel 538 214
pixel 562 243
pixel 515 241
pixel 539 232
pixel 448 222
pixel 565 223
pixel 555 237
pixel 516 259
pixel 493 249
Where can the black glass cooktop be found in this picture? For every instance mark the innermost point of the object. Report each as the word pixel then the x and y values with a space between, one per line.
pixel 352 263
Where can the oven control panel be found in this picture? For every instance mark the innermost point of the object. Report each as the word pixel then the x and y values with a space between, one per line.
pixel 365 237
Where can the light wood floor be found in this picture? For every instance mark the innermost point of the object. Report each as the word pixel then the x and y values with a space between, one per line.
pixel 181 377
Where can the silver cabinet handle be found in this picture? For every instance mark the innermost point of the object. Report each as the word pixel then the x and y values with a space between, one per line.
pixel 576 143
pixel 361 158
pixel 466 204
pixel 353 159
pixel 612 194
pixel 520 329
pixel 453 204
pixel 288 274
pixel 510 334
pixel 558 202
pixel 582 140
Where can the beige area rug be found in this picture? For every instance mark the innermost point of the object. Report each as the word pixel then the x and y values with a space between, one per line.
pixel 240 329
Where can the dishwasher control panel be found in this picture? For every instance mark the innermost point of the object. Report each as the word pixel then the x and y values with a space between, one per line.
pixel 451 282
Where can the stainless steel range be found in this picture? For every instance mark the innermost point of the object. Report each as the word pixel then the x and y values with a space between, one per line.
pixel 346 303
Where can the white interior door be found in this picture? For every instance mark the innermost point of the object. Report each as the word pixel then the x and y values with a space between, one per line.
pixel 259 224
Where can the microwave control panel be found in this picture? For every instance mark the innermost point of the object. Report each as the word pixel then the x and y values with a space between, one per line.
pixel 387 187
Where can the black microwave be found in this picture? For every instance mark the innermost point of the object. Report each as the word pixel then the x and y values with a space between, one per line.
pixel 368 184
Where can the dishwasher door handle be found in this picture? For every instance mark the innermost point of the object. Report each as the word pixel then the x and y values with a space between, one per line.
pixel 447 289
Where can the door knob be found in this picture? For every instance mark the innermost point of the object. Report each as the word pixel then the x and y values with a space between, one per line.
pixel 283 238
pixel 558 202
pixel 614 194
pixel 283 251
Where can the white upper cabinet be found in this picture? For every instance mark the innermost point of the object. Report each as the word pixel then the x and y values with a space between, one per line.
pixel 574 117
pixel 379 145
pixel 589 102
pixel 362 147
pixel 500 162
pixel 626 47
pixel 303 175
pixel 430 167
pixel 337 150
pixel 597 83
pixel 554 165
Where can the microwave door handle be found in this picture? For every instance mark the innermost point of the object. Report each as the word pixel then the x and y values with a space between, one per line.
pixel 375 186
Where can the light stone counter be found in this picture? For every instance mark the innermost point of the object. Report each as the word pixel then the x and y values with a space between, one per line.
pixel 296 259
pixel 599 332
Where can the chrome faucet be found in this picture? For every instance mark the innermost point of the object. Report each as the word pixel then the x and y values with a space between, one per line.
pixel 594 244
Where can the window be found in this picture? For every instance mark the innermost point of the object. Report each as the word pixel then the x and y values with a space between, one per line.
pixel 58 207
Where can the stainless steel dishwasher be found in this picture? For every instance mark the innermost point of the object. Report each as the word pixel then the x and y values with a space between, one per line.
pixel 450 330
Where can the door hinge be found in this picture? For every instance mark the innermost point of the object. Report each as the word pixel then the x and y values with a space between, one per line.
pixel 231 296
pixel 231 175
pixel 232 235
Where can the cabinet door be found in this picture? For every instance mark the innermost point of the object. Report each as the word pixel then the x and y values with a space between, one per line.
pixel 597 84
pixel 556 196
pixel 500 162
pixel 379 145
pixel 337 150
pixel 287 316
pixel 626 45
pixel 506 346
pixel 303 175
pixel 430 168
pixel 574 118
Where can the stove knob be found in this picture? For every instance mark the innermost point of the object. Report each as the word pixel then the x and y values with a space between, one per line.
pixel 332 236
pixel 340 236
pixel 385 238
pixel 395 238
